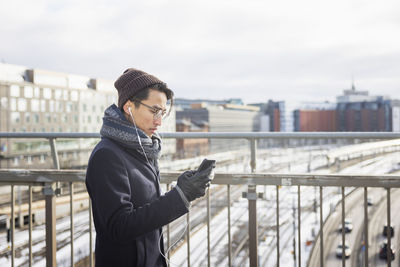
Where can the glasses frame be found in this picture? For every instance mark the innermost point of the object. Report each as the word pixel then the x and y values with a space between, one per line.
pixel 157 112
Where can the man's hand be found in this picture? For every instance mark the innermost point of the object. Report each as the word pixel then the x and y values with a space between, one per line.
pixel 194 184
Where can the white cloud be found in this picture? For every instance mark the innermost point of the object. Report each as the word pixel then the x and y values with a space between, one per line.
pixel 215 49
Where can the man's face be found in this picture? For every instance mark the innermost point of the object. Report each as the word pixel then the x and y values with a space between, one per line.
pixel 144 116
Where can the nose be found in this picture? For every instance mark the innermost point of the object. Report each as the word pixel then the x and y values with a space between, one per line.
pixel 157 122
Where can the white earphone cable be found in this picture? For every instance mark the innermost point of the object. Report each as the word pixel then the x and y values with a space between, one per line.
pixel 140 142
pixel 159 248
pixel 166 253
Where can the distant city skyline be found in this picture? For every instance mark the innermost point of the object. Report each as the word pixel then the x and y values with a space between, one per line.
pixel 254 50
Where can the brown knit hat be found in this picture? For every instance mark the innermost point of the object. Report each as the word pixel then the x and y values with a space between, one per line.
pixel 131 82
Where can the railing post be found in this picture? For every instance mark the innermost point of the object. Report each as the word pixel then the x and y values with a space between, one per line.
pixel 71 212
pixel 252 198
pixel 50 192
pixel 366 242
pixel 229 226
pixel 51 243
pixel 321 224
pixel 388 230
pixel 188 238
pixel 54 154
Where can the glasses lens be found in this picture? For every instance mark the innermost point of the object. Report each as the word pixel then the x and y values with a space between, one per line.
pixel 160 114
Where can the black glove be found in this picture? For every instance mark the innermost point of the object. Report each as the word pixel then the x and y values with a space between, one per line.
pixel 194 184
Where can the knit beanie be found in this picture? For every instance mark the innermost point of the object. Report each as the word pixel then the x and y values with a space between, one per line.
pixel 131 82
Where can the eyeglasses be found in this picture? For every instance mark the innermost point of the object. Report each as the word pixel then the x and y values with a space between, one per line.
pixel 157 112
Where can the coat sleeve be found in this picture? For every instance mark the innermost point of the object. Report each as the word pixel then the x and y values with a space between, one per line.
pixel 108 186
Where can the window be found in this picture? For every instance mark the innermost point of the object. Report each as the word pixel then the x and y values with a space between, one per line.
pixel 16 161
pixel 29 160
pixel 48 117
pixel 43 105
pixel 65 94
pixel 76 118
pixel 94 108
pixel 35 105
pixel 59 105
pixel 14 90
pixel 57 94
pixel 47 93
pixel 54 118
pixel 28 91
pixel 42 158
pixel 36 118
pixel 84 107
pixel 13 104
pixel 89 119
pixel 4 102
pixel 36 92
pixel 27 117
pixel 15 117
pixel 68 107
pixel 21 104
pixel 51 106
pixel 65 118
pixel 74 96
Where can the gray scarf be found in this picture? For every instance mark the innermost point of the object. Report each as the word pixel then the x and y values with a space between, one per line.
pixel 118 128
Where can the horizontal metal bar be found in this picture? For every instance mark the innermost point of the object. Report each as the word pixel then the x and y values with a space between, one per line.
pixel 290 179
pixel 39 177
pixel 286 179
pixel 48 135
pixel 227 135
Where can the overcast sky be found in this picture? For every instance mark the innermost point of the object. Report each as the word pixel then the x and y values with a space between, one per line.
pixel 256 50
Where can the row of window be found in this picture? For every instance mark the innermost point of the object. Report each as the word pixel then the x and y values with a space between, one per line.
pixel 84 129
pixel 28 91
pixel 46 93
pixel 17 117
pixel 41 105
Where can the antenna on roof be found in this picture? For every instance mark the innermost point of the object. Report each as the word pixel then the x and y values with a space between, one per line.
pixel 353 87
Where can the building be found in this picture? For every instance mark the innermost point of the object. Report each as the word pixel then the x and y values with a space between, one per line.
pixel 273 116
pixel 357 111
pixel 191 147
pixel 315 117
pixel 35 100
pixel 224 118
pixel 184 103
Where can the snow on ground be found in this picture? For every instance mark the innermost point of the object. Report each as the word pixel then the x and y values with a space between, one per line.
pixel 293 160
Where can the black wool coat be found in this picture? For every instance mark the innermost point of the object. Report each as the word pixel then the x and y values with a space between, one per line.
pixel 128 208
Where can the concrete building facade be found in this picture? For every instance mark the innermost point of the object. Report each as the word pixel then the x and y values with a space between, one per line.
pixel 41 101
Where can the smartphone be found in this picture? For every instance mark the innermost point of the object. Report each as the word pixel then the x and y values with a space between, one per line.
pixel 206 164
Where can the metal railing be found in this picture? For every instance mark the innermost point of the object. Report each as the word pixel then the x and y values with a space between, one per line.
pixel 49 179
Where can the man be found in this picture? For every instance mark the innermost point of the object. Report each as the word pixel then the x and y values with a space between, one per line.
pixel 123 177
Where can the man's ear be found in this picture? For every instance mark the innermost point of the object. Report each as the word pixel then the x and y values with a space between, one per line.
pixel 126 107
